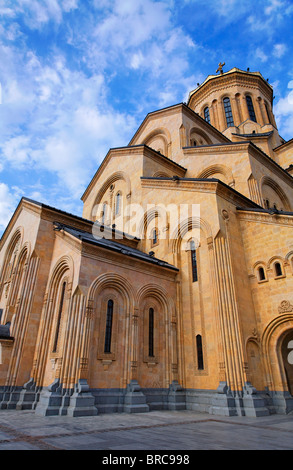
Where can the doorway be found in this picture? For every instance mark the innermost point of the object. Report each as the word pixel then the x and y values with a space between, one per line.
pixel 287 356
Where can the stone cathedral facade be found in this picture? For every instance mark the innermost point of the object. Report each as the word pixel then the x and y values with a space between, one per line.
pixel 97 316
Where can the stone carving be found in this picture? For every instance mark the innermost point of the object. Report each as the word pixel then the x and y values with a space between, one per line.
pixel 285 307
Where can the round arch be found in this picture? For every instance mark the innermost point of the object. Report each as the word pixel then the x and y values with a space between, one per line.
pixel 267 181
pixel 118 175
pixel 198 132
pixel 116 282
pixel 161 133
pixel 221 169
pixel 185 226
pixel 271 340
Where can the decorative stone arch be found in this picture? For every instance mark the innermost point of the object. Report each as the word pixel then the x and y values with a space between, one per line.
pixel 165 341
pixel 221 169
pixel 117 282
pixel 199 133
pixel 255 370
pixel 119 175
pixel 161 174
pixel 266 180
pixel 61 267
pixel 256 267
pixel 164 135
pixel 185 227
pixel 111 286
pixel 271 340
pixel 16 238
pixel 273 259
pixel 206 105
pixel 159 293
pixel 289 260
pixel 148 216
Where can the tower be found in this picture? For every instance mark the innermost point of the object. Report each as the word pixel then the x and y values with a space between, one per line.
pixel 240 105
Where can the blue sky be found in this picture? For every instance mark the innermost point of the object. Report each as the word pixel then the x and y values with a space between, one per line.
pixel 78 77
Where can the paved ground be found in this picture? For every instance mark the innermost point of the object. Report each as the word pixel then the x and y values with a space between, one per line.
pixel 157 430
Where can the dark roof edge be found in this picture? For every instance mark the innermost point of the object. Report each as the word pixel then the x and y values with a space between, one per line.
pixel 127 251
pixel 265 211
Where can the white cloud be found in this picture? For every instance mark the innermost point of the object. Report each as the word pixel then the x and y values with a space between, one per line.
pixel 8 201
pixel 284 113
pixel 259 54
pixel 279 50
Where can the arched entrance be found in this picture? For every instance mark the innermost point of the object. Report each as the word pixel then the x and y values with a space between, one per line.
pixel 287 356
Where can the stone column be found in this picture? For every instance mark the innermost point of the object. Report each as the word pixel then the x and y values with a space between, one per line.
pixel 221 116
pixel 245 112
pixel 82 402
pixel 134 400
pixel 235 112
pixel 258 112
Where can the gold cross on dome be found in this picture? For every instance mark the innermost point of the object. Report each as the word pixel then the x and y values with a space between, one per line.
pixel 220 69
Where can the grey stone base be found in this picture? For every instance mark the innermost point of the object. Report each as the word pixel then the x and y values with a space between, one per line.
pixel 83 401
pixel 135 399
pixel 50 400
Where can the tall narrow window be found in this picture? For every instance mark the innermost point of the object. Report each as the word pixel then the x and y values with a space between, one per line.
pixel 118 204
pixel 155 239
pixel 151 332
pixel 261 274
pixel 104 213
pixel 61 304
pixel 109 321
pixel 278 269
pixel 199 352
pixel 228 112
pixel 207 115
pixel 268 113
pixel 250 108
pixel 193 261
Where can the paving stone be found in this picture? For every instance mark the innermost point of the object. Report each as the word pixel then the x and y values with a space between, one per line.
pixel 152 431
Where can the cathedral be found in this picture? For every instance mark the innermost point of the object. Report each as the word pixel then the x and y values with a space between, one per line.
pixel 174 289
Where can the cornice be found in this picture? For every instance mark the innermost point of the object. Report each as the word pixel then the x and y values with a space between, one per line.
pixel 289 143
pixel 252 150
pixel 266 218
pixel 30 206
pixel 228 80
pixel 230 147
pixel 209 185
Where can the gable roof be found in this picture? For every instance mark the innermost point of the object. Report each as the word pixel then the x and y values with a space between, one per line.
pixel 143 149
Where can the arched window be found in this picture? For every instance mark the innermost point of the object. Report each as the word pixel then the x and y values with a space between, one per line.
pixel 193 261
pixel 155 237
pixel 278 269
pixel 104 212
pixel 268 113
pixel 228 112
pixel 151 332
pixel 60 310
pixel 118 203
pixel 200 364
pixel 267 203
pixel 261 274
pixel 250 108
pixel 207 115
pixel 109 321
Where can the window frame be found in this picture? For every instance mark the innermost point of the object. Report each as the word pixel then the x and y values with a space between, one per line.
pixel 250 107
pixel 228 111
pixel 194 261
